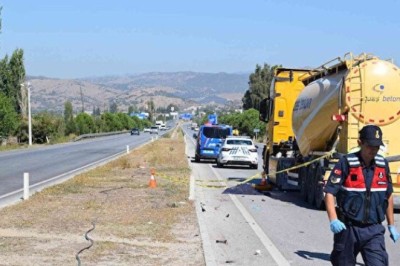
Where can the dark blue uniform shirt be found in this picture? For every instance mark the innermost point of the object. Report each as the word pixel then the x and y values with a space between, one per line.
pixel 341 171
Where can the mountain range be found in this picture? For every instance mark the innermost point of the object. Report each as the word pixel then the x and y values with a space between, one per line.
pixel 183 89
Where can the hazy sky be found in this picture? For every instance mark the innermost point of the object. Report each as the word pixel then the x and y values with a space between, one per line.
pixel 71 39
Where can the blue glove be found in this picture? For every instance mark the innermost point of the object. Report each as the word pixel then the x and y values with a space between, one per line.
pixel 394 235
pixel 337 226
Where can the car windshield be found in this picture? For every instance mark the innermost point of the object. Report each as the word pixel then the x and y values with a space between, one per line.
pixel 154 127
pixel 239 142
pixel 216 132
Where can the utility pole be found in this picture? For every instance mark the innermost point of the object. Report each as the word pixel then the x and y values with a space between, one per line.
pixel 28 87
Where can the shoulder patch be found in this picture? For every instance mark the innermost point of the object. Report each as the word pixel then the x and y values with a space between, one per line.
pixel 337 172
pixel 335 179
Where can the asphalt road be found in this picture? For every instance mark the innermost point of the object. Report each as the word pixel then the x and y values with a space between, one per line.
pixel 52 164
pixel 274 228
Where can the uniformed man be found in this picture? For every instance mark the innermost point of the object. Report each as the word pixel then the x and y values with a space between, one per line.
pixel 363 188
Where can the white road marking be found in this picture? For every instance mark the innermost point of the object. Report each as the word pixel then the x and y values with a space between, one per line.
pixel 271 248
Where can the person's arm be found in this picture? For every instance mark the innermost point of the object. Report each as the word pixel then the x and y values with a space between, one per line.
pixel 394 235
pixel 335 224
pixel 330 206
pixel 389 211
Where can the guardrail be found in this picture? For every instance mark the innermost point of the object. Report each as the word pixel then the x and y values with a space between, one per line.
pixel 97 135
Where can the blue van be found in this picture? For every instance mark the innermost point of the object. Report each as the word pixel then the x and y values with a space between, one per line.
pixel 209 141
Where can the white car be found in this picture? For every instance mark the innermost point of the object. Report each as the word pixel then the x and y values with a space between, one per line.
pixel 154 130
pixel 238 150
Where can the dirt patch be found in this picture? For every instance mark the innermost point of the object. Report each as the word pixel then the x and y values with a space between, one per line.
pixel 131 223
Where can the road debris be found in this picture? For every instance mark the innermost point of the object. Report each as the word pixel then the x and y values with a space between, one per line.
pixel 202 207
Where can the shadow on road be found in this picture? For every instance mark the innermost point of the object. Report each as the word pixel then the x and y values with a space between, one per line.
pixel 205 161
pixel 318 255
pixel 242 189
pixel 293 197
pixel 308 255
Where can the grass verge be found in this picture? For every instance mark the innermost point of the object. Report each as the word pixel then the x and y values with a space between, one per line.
pixel 134 224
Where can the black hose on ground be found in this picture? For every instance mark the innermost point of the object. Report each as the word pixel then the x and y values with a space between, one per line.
pixel 94 226
pixel 91 243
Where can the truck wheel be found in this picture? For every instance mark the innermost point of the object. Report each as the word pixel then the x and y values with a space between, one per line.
pixel 319 193
pixel 311 185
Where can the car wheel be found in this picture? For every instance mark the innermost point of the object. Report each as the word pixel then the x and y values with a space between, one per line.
pixel 196 158
pixel 254 166
pixel 220 165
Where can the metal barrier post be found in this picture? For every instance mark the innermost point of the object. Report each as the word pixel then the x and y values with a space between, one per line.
pixel 26 186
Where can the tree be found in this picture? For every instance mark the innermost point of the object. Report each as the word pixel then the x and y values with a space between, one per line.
pixel 96 111
pixel 8 117
pixel 126 121
pixel 170 106
pixel 259 84
pixel 245 122
pixel 113 107
pixel 111 122
pixel 70 126
pixel 4 73
pixel 84 124
pixel 151 109
pixel 16 78
pixel 47 126
pixel 130 110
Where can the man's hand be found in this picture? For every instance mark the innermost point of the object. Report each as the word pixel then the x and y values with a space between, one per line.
pixel 337 226
pixel 394 235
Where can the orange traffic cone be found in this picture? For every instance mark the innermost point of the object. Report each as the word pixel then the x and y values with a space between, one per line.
pixel 263 185
pixel 263 179
pixel 152 182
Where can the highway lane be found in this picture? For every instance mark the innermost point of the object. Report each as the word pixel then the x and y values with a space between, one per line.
pixel 222 218
pixel 299 232
pixel 61 161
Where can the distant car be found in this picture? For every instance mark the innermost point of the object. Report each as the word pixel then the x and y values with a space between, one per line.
pixel 135 131
pixel 154 130
pixel 238 150
pixel 147 129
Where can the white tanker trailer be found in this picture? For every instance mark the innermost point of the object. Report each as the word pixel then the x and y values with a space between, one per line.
pixel 333 102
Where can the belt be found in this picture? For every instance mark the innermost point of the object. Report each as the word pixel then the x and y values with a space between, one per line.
pixel 357 223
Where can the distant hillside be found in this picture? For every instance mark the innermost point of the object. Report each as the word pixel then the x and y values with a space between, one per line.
pixel 181 88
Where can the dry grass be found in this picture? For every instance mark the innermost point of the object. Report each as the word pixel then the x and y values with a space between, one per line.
pixel 134 224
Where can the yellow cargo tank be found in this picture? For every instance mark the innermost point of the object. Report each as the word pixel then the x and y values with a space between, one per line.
pixel 333 102
pixel 364 89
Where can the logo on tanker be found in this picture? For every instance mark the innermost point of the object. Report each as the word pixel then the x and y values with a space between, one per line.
pixel 380 89
pixel 302 104
pixel 381 98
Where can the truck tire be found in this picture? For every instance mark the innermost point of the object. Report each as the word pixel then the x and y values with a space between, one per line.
pixel 319 193
pixel 311 184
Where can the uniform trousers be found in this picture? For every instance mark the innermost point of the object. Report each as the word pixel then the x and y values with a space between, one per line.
pixel 366 239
